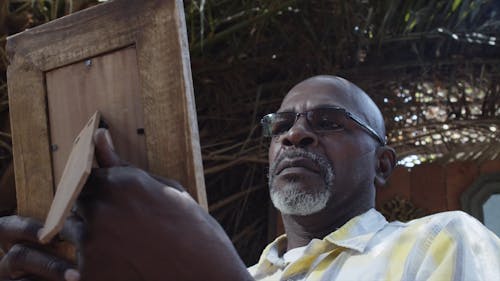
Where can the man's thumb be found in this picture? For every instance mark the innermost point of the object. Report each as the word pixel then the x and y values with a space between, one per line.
pixel 105 151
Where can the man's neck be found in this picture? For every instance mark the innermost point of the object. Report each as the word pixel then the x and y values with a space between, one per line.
pixel 301 230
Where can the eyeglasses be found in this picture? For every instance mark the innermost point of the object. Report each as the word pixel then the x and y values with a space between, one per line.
pixel 321 120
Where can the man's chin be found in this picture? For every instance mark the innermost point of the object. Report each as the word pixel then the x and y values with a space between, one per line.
pixel 294 200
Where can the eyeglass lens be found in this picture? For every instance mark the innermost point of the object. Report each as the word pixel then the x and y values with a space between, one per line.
pixel 320 120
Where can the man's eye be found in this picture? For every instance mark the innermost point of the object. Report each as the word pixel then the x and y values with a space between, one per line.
pixel 280 127
pixel 326 124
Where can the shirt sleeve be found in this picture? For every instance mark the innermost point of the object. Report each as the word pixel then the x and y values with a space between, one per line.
pixel 463 249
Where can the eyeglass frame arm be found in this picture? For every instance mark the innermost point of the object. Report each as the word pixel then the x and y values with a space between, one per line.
pixel 365 126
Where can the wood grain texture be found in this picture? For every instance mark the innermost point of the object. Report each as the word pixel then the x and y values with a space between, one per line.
pixel 167 110
pixel 157 30
pixel 75 174
pixel 30 139
pixel 108 84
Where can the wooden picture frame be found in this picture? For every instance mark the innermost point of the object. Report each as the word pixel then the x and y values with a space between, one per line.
pixel 107 40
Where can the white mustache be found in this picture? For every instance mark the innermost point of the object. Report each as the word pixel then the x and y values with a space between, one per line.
pixel 323 163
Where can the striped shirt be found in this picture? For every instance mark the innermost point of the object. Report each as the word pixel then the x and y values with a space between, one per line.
pixel 445 246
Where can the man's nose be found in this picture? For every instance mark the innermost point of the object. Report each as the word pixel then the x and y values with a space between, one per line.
pixel 300 134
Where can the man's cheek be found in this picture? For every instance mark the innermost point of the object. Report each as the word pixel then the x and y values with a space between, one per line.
pixel 273 150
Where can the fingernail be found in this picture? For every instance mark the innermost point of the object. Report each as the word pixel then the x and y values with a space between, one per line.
pixel 71 275
pixel 39 235
pixel 108 139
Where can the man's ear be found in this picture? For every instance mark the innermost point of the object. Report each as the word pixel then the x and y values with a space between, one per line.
pixel 386 157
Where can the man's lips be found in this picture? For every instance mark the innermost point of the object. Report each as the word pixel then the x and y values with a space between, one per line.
pixel 302 162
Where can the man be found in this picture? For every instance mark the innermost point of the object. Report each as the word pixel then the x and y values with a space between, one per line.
pixel 326 156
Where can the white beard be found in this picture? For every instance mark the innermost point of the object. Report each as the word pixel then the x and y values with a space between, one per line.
pixel 291 200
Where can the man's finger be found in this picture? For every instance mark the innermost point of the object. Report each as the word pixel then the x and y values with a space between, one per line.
pixel 94 189
pixel 105 151
pixel 73 230
pixel 23 261
pixel 18 229
pixel 168 182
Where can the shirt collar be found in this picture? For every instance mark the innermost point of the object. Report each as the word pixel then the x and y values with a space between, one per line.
pixel 355 235
pixel 358 232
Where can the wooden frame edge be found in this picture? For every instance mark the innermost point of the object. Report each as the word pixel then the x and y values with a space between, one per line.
pixel 44 48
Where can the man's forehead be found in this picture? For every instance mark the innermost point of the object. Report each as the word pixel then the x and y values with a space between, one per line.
pixel 327 90
pixel 314 93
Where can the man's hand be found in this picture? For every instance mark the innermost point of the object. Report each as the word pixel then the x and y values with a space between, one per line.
pixel 138 228
pixel 24 257
pixel 128 225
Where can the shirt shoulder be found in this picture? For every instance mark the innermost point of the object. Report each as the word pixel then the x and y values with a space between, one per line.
pixel 448 246
pixel 451 220
pixel 457 226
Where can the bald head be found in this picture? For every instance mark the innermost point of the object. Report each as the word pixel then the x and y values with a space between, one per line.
pixel 345 94
pixel 324 163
